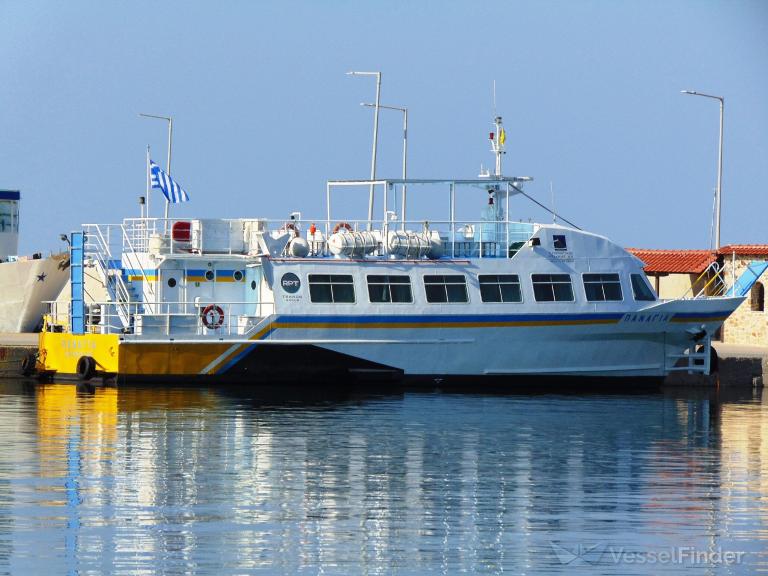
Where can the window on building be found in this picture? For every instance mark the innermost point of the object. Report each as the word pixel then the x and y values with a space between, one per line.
pixel 446 288
pixel 641 289
pixel 336 288
pixel 389 289
pixel 552 287
pixel 602 287
pixel 9 217
pixel 501 288
pixel 757 297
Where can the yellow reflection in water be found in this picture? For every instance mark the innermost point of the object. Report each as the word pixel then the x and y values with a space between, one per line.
pixel 744 432
pixel 73 423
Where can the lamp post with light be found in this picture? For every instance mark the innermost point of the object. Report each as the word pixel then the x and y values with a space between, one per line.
pixel 168 166
pixel 405 147
pixel 375 138
pixel 719 164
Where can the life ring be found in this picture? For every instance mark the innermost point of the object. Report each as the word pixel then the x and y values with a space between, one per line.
pixel 213 316
pixel 86 368
pixel 341 225
pixel 291 226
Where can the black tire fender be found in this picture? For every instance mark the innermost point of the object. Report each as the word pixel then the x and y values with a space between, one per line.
pixel 86 368
pixel 29 364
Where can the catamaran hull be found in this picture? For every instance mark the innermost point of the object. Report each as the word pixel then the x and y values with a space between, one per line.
pixel 646 344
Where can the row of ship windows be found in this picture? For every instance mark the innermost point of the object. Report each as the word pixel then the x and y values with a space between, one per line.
pixel 452 288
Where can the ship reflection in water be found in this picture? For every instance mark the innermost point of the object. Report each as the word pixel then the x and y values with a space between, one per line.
pixel 147 480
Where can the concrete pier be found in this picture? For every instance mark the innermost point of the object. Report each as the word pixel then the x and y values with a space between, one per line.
pixel 13 349
pixel 742 365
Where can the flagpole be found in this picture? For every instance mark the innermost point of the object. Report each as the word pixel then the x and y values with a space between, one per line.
pixel 170 141
pixel 148 188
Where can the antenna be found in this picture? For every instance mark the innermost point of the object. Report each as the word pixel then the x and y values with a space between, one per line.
pixel 494 98
pixel 498 137
pixel 552 196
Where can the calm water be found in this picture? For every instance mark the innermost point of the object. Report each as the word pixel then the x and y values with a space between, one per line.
pixel 179 481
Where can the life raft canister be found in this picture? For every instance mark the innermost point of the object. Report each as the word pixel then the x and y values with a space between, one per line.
pixel 213 316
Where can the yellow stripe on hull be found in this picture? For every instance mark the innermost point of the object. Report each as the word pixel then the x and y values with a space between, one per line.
pixel 172 359
pixel 701 319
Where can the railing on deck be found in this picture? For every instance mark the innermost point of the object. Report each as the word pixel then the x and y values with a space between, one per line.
pixel 97 253
pixel 459 238
pixel 169 319
pixel 714 280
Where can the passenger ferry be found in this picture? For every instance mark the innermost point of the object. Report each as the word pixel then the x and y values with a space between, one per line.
pixel 252 300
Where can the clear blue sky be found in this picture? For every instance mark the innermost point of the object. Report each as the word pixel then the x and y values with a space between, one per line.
pixel 264 115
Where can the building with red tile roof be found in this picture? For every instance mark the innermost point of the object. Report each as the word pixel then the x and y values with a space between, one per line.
pixel 745 249
pixel 674 261
pixel 681 273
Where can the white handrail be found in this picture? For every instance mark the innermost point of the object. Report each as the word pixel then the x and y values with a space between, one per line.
pixel 102 321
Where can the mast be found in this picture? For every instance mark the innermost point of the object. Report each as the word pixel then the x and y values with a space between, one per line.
pixel 498 139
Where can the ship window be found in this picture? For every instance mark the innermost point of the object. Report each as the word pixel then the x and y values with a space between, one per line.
pixel 552 288
pixel 501 288
pixel 446 288
pixel 602 287
pixel 209 275
pixel 337 288
pixel 641 289
pixel 238 275
pixel 389 289
pixel 558 241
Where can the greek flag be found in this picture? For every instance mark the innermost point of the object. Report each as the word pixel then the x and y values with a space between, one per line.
pixel 159 179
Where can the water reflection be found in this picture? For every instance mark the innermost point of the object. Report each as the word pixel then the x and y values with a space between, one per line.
pixel 169 481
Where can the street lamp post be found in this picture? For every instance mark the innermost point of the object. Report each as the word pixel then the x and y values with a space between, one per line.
pixel 719 163
pixel 405 147
pixel 375 139
pixel 168 166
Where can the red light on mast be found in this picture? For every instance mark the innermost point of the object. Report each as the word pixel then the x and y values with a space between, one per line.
pixel 490 136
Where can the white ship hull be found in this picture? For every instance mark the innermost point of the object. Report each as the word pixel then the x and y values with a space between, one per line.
pixel 24 285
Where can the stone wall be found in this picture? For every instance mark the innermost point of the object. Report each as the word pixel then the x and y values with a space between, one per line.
pixel 745 326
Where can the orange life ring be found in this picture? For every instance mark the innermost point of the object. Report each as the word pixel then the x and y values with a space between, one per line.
pixel 213 316
pixel 341 225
